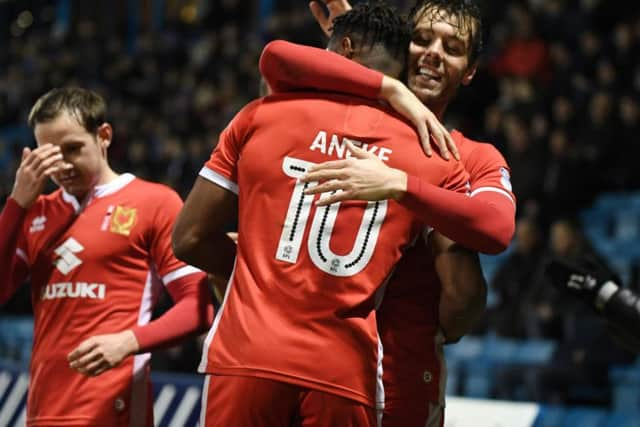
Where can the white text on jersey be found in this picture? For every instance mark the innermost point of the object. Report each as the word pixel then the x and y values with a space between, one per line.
pixel 73 290
pixel 338 146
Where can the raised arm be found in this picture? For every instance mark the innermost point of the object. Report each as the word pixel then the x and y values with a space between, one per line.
pixel 486 224
pixel 36 166
pixel 288 67
pixel 483 223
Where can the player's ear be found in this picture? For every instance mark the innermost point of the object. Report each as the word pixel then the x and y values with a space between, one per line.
pixel 347 47
pixel 104 133
pixel 469 74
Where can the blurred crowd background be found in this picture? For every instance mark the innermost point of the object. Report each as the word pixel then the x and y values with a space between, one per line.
pixel 557 92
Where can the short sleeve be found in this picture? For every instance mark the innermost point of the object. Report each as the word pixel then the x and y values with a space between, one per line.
pixel 221 168
pixel 489 172
pixel 168 266
pixel 457 179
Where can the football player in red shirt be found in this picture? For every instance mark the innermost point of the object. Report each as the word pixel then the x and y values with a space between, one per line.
pixel 295 342
pixel 416 308
pixel 98 253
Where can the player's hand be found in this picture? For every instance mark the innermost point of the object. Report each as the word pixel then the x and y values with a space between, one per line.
pixel 335 7
pixel 35 167
pixel 362 177
pixel 423 119
pixel 100 353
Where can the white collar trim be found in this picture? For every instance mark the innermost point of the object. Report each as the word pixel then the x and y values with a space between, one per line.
pixel 100 190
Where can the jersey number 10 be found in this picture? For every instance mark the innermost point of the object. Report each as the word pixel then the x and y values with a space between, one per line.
pixel 324 219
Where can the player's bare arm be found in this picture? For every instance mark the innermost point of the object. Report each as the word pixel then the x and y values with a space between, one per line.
pixel 199 238
pixel 464 291
pixel 99 353
pixel 36 166
pixel 362 177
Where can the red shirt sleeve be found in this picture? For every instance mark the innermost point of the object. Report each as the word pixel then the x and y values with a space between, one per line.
pixel 288 66
pixel 221 168
pixel 484 222
pixel 489 172
pixel 192 313
pixel 193 309
pixel 472 222
pixel 14 268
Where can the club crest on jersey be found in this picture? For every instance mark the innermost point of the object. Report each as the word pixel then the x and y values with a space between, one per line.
pixel 506 179
pixel 122 220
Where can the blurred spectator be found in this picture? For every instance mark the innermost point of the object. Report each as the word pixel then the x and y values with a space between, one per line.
pixel 578 372
pixel 513 280
pixel 627 139
pixel 524 54
pixel 566 186
pixel 524 158
pixel 595 139
pixel 546 307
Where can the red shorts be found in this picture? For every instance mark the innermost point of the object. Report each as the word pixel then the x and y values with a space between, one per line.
pixel 257 402
pixel 413 414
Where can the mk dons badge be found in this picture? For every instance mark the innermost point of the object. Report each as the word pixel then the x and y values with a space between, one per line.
pixel 123 220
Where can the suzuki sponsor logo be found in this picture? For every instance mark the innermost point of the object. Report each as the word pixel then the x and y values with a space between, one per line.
pixel 67 260
pixel 38 224
pixel 74 290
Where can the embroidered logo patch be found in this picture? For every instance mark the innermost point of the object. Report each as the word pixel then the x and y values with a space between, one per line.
pixel 506 179
pixel 123 220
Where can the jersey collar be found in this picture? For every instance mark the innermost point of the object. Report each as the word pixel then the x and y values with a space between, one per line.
pixel 99 191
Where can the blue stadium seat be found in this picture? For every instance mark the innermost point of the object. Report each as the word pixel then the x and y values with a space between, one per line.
pixel 453 378
pixel 468 348
pixel 585 417
pixel 625 381
pixel 613 202
pixel 535 351
pixel 489 267
pixel 16 338
pixel 604 245
pixel 618 419
pixel 500 350
pixel 633 198
pixel 550 416
pixel 626 224
pixel 622 266
pixel 596 223
pixel 478 379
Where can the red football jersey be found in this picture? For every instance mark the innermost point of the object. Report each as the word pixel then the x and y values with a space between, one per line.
pixel 96 269
pixel 299 306
pixel 413 364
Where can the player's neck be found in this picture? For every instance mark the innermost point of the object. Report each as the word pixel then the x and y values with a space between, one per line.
pixel 106 176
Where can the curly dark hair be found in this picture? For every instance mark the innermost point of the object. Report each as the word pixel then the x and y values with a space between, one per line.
pixel 375 23
pixel 467 12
